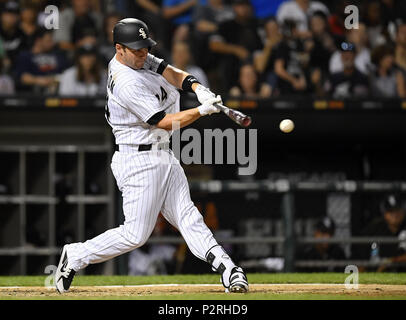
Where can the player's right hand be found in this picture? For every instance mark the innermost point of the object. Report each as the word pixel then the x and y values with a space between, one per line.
pixel 208 108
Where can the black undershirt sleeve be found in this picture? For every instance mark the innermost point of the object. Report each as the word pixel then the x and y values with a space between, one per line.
pixel 162 67
pixel 156 118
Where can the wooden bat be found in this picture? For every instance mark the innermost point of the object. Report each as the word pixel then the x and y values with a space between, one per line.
pixel 237 116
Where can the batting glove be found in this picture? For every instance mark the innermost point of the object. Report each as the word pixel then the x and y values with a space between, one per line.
pixel 208 108
pixel 203 94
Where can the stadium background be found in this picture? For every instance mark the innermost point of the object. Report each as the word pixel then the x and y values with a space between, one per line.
pixel 345 155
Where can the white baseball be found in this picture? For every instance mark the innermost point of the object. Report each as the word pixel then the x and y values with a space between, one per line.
pixel 286 125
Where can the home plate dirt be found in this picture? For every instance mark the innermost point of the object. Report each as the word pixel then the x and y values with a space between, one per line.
pixel 176 289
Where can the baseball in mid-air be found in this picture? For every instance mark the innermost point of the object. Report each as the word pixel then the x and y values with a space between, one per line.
pixel 286 125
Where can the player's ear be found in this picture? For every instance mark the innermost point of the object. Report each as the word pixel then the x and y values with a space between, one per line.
pixel 119 47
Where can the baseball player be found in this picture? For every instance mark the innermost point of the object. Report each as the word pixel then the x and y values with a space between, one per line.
pixel 142 105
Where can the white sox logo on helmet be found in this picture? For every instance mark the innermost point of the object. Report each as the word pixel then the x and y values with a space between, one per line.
pixel 142 33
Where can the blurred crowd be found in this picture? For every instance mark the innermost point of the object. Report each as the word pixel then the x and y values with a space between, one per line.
pixel 250 48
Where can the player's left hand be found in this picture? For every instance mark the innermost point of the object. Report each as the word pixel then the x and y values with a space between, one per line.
pixel 203 94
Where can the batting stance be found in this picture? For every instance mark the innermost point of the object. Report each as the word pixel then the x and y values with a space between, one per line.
pixel 143 104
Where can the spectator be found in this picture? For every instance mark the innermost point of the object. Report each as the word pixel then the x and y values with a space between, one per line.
pixel 300 11
pixel 264 59
pixel 384 80
pixel 400 59
pixel 350 82
pixel 107 49
pixel 337 18
pixel 235 41
pixel 321 46
pixel 179 13
pixel 28 24
pixel 10 32
pixel 265 9
pixel 86 77
pixel 206 20
pixel 391 223
pixel 359 38
pixel 42 4
pixel 392 10
pixel 374 23
pixel 37 69
pixel 181 59
pixel 160 50
pixel 76 24
pixel 150 11
pixel 249 85
pixel 289 61
pixel 6 82
pixel 324 251
pixel 151 8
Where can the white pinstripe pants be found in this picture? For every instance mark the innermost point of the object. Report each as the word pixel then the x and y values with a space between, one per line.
pixel 150 181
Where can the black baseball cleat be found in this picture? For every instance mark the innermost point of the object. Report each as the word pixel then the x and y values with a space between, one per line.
pixel 238 281
pixel 63 274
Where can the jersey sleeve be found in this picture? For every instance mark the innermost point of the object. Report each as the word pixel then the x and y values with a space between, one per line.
pixel 143 103
pixel 155 64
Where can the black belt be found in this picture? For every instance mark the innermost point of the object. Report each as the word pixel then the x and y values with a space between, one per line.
pixel 141 147
pixel 144 147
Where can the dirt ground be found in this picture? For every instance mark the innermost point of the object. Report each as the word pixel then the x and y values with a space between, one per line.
pixel 152 290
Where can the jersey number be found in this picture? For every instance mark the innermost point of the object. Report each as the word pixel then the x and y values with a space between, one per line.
pixel 163 94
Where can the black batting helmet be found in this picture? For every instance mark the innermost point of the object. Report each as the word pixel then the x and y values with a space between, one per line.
pixel 132 33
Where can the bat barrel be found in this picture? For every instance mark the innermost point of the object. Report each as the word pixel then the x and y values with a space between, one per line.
pixel 235 115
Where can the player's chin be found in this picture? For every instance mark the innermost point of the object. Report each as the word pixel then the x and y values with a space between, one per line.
pixel 139 65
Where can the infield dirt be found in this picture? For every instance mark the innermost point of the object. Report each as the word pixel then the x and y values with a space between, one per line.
pixel 372 290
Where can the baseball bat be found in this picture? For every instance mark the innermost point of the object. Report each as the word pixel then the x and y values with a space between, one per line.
pixel 238 117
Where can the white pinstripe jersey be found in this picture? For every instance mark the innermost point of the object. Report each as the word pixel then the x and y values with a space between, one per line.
pixel 133 97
